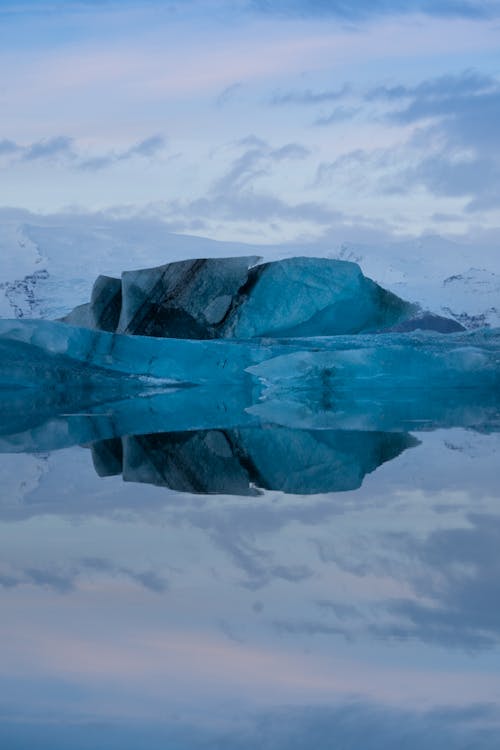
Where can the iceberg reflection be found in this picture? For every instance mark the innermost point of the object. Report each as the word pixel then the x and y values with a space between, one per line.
pixel 241 461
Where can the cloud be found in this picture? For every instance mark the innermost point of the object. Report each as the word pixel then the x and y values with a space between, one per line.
pixel 308 96
pixel 254 162
pixel 246 205
pixel 229 94
pixel 64 581
pixel 51 578
pixel 349 725
pixel 237 196
pixel 296 8
pixel 148 579
pixel 372 727
pixel 339 114
pixel 63 148
pixel 477 179
pixel 467 106
pixel 147 148
pixel 257 565
pixel 361 169
pixel 459 611
pixel 49 148
pixel 306 627
pixel 8 147
pixel 290 151
pixel 447 88
pixel 453 146
pixel 459 136
pixel 453 575
pixel 363 9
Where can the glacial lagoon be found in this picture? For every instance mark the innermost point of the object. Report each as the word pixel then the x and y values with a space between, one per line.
pixel 273 543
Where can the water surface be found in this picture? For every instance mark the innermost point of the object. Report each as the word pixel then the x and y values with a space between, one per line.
pixel 251 586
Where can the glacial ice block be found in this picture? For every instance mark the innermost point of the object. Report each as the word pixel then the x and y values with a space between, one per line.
pixel 301 297
pixel 42 353
pixel 39 353
pixel 103 310
pixel 416 360
pixel 187 299
pixel 237 298
pixel 427 322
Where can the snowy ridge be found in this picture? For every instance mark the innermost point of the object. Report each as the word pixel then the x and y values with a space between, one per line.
pixel 20 270
pixel 49 263
pixel 457 280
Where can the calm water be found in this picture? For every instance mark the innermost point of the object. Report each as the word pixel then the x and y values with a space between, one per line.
pixel 252 588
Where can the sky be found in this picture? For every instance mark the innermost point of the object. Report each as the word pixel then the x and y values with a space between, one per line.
pixel 252 120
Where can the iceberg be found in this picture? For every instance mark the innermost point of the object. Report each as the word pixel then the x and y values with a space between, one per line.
pixel 239 298
pixel 427 322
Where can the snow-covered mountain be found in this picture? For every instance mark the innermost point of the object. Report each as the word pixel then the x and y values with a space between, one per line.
pixel 49 263
pixel 461 281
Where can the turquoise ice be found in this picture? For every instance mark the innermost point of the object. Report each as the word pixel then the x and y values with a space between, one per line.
pixel 240 298
pixel 62 385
